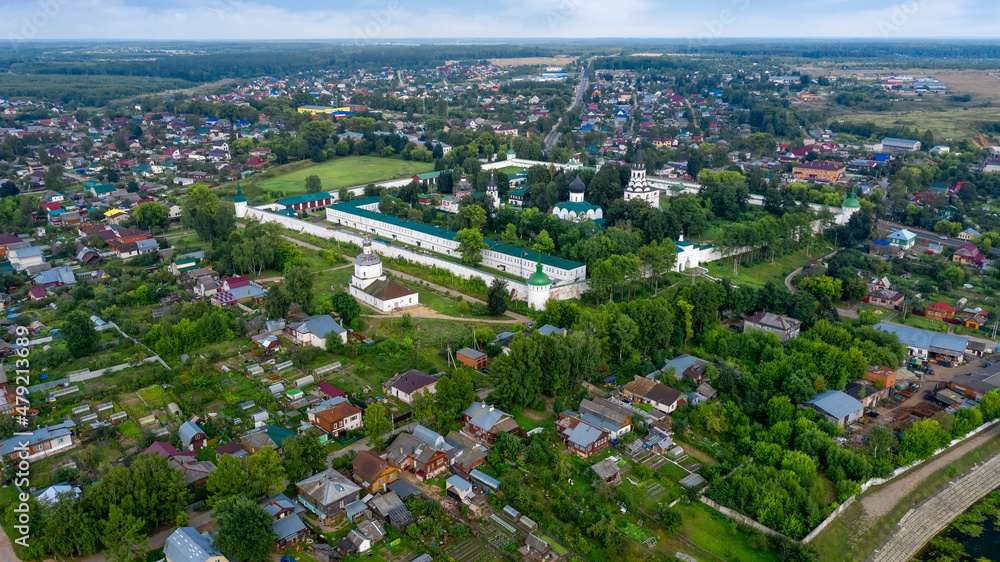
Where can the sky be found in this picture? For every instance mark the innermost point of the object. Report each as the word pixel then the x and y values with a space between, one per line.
pixel 384 20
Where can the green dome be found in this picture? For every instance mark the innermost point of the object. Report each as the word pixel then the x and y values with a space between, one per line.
pixel 538 278
pixel 239 195
pixel 852 202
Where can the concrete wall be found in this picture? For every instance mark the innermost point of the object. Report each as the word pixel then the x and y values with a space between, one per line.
pixel 740 518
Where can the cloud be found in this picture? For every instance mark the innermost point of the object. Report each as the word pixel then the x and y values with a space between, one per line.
pixel 443 19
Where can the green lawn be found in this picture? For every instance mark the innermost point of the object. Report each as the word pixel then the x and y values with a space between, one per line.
pixel 342 172
pixel 558 548
pixel 759 273
pixel 713 531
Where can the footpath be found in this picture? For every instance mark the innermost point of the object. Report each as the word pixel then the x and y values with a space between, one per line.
pixel 919 525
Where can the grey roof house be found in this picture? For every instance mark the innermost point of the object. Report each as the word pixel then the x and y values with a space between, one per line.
pixel 838 407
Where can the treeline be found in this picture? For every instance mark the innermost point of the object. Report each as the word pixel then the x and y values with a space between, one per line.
pixel 847 50
pixel 93 90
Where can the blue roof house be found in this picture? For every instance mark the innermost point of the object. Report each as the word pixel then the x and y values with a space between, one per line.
pixel 191 436
pixel 186 544
pixel 903 238
pixel 838 407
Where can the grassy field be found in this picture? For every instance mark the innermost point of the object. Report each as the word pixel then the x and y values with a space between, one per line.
pixel 715 533
pixel 334 174
pixel 759 273
pixel 944 122
pixel 841 541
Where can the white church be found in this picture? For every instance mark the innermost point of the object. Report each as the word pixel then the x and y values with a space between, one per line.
pixel 370 285
pixel 577 209
pixel 638 186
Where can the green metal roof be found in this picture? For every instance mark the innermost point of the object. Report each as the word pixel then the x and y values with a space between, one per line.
pixel 353 208
pixel 429 175
pixel 307 198
pixel 852 202
pixel 239 195
pixel 574 207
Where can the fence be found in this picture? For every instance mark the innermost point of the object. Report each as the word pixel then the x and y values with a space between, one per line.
pixel 879 481
pixel 740 518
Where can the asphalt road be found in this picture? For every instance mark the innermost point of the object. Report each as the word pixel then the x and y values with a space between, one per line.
pixel 931 237
pixel 581 89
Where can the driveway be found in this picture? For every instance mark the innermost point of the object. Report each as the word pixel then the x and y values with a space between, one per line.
pixel 201 520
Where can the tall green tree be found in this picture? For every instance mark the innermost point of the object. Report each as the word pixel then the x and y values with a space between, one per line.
pixel 299 280
pixel 470 245
pixel 277 302
pixel 245 530
pixel 71 530
pixel 149 489
pixel 377 424
pixel 313 184
pixel 303 455
pixel 497 297
pixel 455 391
pixel 346 307
pixel 267 474
pixel 80 335
pixel 124 536
pixel 231 478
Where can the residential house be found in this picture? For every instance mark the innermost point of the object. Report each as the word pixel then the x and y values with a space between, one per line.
pixel 361 539
pixel 335 416
pixel 785 327
pixel 55 277
pixel 269 436
pixel 315 330
pixel 191 436
pixel 969 234
pixel 40 443
pixel 287 524
pixel 608 415
pixel 903 239
pixel 373 472
pixel 837 406
pixel 408 452
pixel 196 472
pixel 326 493
pixel 969 254
pixel 405 387
pixel 330 391
pixel 186 544
pixel 25 257
pixel 37 293
pixel 939 311
pixel 581 437
pixel 486 423
pixel 238 290
pixel 659 396
pixel 886 298
pixel 885 249
pixel 683 365
pixel 390 508
pixel 8 239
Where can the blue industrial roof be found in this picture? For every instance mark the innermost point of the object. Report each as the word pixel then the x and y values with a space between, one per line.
pixel 837 404
pixel 924 339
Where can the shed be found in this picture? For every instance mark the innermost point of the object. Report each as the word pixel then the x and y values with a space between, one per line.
pixel 174 409
pixel 305 381
pixel 471 358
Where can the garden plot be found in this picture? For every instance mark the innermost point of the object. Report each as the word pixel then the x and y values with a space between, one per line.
pixel 134 407
pixel 470 551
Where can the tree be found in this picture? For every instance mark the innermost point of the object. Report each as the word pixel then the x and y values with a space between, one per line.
pixel 966 419
pixel 544 243
pixel 824 288
pixel 881 440
pixel 231 478
pixel 150 215
pixel 70 528
pixel 245 530
pixel 497 297
pixel 299 281
pixel 470 245
pixel 277 302
pixel 509 235
pixel 921 440
pixel 123 535
pixel 377 424
pixel 345 306
pixel 989 405
pixel 472 216
pixel 455 392
pixel 855 289
pixel 313 184
pixel 267 475
pixel 150 489
pixel 304 455
pixel 425 409
pixel 669 517
pixel 80 335
pixel 508 446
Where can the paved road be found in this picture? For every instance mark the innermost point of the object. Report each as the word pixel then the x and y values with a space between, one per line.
pixel 581 89
pixel 930 517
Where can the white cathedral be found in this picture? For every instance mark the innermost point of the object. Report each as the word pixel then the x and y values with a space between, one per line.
pixel 577 209
pixel 370 285
pixel 638 187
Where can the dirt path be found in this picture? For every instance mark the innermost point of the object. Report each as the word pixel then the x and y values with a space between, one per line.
pixel 6 548
pixel 424 312
pixel 879 503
